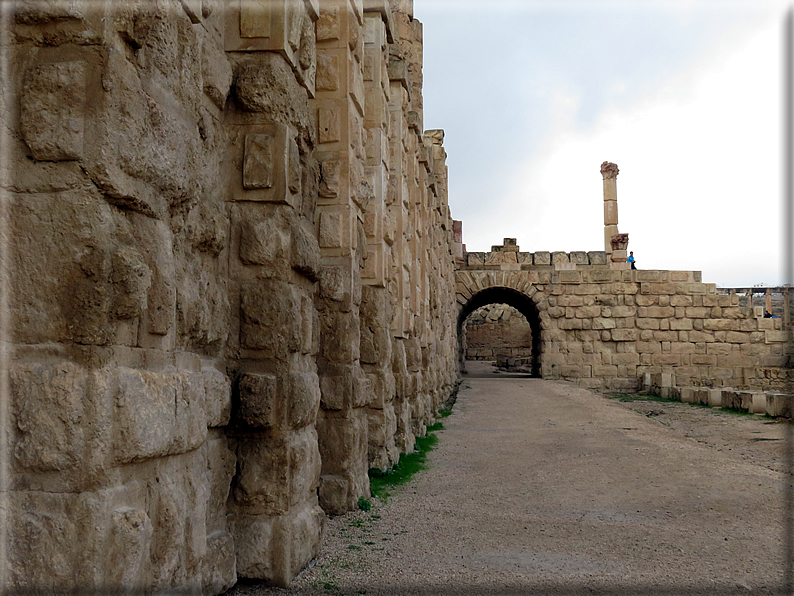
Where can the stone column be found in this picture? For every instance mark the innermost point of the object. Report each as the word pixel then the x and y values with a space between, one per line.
pixel 609 171
pixel 274 268
pixel 377 310
pixel 344 194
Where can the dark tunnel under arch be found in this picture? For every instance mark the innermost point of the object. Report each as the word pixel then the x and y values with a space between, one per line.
pixel 518 300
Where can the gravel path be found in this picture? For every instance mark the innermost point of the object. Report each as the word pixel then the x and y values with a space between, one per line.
pixel 539 487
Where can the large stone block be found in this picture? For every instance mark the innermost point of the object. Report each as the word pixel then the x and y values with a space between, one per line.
pixel 277 548
pixel 219 567
pixel 779 404
pixel 259 400
pixel 343 446
pixel 303 399
pixel 156 414
pixel 271 317
pixel 54 416
pixel 274 473
pixel 264 242
pixel 340 333
pixel 52 110
pixel 112 527
pixel 305 253
pixel 267 160
pixel 343 387
pixel 382 428
pixel 217 397
pixel 220 469
pixel 216 72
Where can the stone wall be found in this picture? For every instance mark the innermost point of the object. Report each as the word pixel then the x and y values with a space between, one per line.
pixel 232 282
pixel 497 329
pixel 605 327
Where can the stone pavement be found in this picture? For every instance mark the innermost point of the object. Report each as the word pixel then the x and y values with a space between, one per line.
pixel 543 487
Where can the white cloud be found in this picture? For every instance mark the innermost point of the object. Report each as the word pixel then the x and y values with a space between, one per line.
pixel 700 171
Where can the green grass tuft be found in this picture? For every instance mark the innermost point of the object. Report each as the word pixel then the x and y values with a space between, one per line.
pixel 364 504
pixel 408 465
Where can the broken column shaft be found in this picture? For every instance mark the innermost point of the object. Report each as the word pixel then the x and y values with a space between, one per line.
pixel 609 171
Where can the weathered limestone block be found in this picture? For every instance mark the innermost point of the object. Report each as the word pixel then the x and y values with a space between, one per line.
pixel 344 447
pixel 779 404
pixel 52 110
pixel 382 388
pixel 115 539
pixel 542 258
pixel 156 414
pixel 382 428
pixel 340 332
pixel 216 72
pixel 62 414
pixel 259 398
pixel 276 473
pixel 343 387
pixel 304 399
pixel 286 102
pixel 131 279
pixel 264 242
pixel 71 298
pixel 305 257
pixel 178 500
pixel 271 313
pixel 267 160
pixel 277 548
pixel 219 567
pixel 202 308
pixel 220 471
pixel 217 397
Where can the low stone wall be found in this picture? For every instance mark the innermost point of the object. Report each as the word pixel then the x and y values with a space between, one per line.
pixel 771 403
pixel 604 326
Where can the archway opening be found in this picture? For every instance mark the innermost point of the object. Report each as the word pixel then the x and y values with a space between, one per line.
pixel 512 298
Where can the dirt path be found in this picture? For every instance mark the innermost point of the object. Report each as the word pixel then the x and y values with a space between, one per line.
pixel 543 488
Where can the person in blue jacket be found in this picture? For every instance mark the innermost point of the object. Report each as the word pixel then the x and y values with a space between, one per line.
pixel 631 259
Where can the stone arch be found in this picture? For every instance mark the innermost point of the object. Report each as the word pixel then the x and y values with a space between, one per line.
pixel 519 300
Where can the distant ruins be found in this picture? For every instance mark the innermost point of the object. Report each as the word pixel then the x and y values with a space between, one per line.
pixel 236 286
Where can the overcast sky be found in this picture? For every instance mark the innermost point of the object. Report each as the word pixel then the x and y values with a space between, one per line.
pixel 684 96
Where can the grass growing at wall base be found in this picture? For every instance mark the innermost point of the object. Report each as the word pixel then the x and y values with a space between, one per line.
pixel 408 465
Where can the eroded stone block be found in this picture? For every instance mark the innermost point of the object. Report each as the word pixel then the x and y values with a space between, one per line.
pixel 263 242
pixel 258 161
pixel 217 397
pixel 52 110
pixel 303 399
pixel 276 472
pixel 270 317
pixel 259 398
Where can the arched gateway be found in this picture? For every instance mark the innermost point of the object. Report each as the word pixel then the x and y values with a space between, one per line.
pixel 519 300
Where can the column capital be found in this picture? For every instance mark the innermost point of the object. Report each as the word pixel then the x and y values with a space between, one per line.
pixel 609 170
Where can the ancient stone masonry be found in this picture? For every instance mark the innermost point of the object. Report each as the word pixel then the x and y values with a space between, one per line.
pixel 494 330
pixel 232 289
pixel 606 328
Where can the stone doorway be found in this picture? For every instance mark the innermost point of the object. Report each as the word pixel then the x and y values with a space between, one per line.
pixel 499 323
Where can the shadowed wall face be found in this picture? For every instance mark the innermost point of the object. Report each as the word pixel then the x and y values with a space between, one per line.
pixel 497 329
